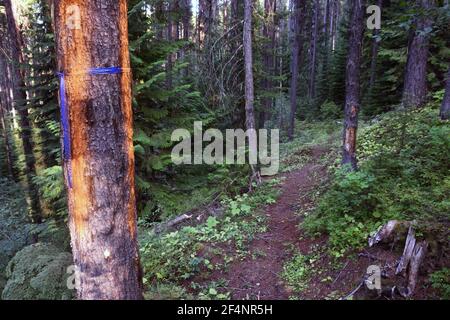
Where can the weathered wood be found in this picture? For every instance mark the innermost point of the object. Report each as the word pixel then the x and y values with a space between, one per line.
pixel 414 253
pixel 417 257
pixel 390 232
pixel 407 251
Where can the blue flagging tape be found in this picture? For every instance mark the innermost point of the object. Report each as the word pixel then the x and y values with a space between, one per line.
pixel 67 151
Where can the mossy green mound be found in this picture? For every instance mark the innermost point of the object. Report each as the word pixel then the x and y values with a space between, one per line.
pixel 38 271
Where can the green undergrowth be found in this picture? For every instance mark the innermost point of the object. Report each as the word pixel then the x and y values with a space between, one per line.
pixel 404 173
pixel 170 259
pixel 295 154
pixel 440 280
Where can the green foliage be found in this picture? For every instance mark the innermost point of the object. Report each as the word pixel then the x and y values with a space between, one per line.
pixel 38 272
pixel 160 107
pixel 339 62
pixel 50 182
pixel 181 254
pixel 296 272
pixel 404 174
pixel 329 110
pixel 440 280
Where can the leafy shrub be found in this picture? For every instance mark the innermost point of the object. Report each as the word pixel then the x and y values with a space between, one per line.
pixel 404 174
pixel 50 182
pixel 440 280
pixel 178 255
pixel 296 272
pixel 329 110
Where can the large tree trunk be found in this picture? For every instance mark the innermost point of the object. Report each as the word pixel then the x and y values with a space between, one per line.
pixel 445 107
pixel 298 21
pixel 352 83
pixel 100 166
pixel 249 87
pixel 415 87
pixel 16 44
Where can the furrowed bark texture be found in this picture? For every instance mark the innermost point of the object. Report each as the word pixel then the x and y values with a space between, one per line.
pixel 352 84
pixel 102 209
pixel 415 87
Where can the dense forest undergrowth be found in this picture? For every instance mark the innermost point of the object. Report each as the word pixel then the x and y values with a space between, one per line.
pixel 96 97
pixel 302 234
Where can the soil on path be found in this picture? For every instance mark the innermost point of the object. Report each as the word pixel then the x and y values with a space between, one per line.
pixel 259 278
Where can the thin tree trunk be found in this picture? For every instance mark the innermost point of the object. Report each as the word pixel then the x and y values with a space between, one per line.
pixel 445 107
pixel 415 87
pixel 249 87
pixel 374 55
pixel 352 84
pixel 185 6
pixel 207 12
pixel 312 75
pixel 169 66
pixel 4 111
pixel 268 57
pixel 99 166
pixel 8 151
pixel 299 8
pixel 16 44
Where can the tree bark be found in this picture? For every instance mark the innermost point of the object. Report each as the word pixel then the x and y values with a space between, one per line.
pixel 207 12
pixel 415 87
pixel 16 45
pixel 445 107
pixel 101 195
pixel 268 57
pixel 169 66
pixel 374 56
pixel 298 21
pixel 8 151
pixel 4 101
pixel 352 84
pixel 249 87
pixel 312 75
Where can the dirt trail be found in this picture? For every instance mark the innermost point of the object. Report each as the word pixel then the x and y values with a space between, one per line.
pixel 259 278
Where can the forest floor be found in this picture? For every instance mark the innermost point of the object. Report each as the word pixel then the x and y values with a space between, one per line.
pixel 285 263
pixel 260 278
